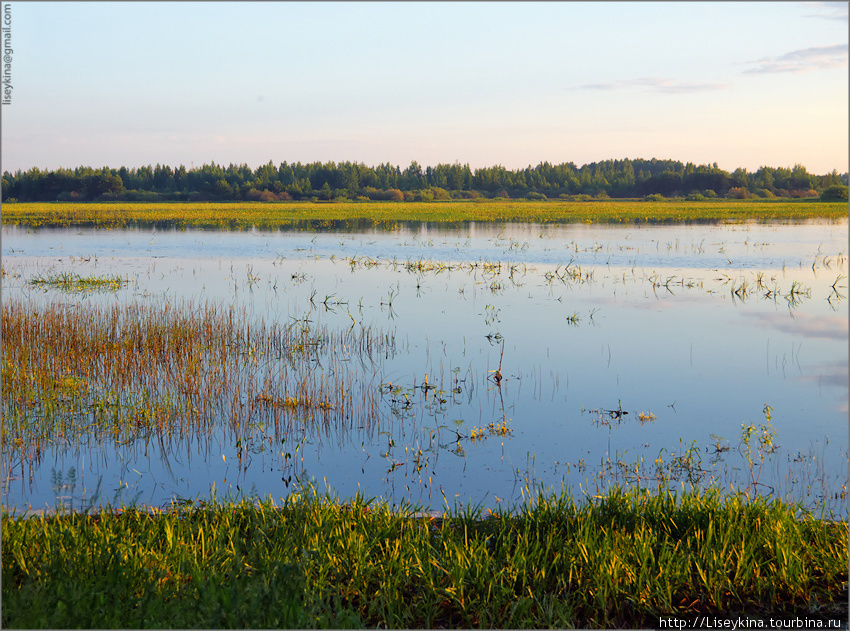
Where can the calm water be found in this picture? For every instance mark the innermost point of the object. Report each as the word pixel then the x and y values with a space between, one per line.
pixel 691 330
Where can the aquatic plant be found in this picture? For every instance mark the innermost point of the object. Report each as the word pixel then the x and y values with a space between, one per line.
pixel 74 283
pixel 84 372
pixel 755 454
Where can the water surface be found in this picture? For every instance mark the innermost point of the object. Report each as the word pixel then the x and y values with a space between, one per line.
pixel 623 351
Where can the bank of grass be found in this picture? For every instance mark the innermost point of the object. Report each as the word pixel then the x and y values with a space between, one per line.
pixel 618 561
pixel 307 214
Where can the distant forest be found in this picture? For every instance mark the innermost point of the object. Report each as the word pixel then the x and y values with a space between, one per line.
pixel 356 181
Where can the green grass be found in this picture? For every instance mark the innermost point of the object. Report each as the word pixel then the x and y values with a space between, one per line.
pixel 74 283
pixel 307 214
pixel 620 560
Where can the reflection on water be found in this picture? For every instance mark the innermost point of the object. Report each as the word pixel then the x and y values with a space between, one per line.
pixel 521 354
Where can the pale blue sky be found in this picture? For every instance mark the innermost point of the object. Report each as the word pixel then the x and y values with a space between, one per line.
pixel 511 83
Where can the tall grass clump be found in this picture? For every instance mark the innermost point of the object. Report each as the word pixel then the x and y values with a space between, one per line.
pixel 79 373
pixel 620 560
pixel 75 283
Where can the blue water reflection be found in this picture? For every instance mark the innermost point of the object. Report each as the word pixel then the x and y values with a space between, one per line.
pixel 696 328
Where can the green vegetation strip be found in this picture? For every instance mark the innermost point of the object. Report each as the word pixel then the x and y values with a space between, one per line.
pixel 74 283
pixel 273 215
pixel 621 560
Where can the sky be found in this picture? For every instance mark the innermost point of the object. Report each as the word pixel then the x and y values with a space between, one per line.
pixel 742 84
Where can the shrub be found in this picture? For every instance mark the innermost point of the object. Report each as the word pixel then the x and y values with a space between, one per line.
pixel 409 196
pixel 503 194
pixel 739 192
pixel 803 192
pixel 535 195
pixel 138 196
pixel 295 192
pixel 440 193
pixel 695 197
pixel 765 192
pixel 261 196
pixel 834 193
pixel 394 195
pixel 325 193
pixel 654 197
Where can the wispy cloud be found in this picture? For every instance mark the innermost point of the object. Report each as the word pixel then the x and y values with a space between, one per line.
pixel 666 86
pixel 827 327
pixel 828 10
pixel 802 60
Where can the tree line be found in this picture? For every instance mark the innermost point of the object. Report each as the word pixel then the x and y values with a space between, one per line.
pixel 357 181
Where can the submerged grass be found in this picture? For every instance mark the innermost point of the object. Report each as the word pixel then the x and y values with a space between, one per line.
pixel 243 215
pixel 75 283
pixel 125 372
pixel 622 560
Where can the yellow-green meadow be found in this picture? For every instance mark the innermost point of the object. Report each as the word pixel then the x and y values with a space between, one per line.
pixel 239 215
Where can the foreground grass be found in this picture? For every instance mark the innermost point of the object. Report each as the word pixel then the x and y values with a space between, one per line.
pixel 623 560
pixel 269 216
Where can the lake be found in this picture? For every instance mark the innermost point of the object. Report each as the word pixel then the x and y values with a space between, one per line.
pixel 452 364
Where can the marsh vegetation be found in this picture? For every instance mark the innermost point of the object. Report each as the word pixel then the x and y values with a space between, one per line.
pixel 622 560
pixel 680 383
pixel 347 215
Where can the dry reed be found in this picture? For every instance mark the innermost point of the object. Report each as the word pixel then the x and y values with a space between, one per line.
pixel 128 371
